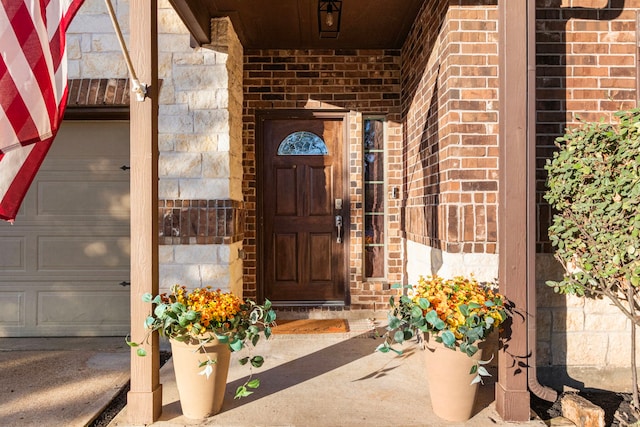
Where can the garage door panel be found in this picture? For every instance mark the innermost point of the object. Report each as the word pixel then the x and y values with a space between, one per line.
pixel 13 309
pixel 100 199
pixel 63 261
pixel 12 253
pixel 85 164
pixel 82 308
pixel 83 252
pixel 99 139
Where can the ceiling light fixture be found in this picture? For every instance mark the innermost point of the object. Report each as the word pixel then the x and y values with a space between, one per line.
pixel 329 14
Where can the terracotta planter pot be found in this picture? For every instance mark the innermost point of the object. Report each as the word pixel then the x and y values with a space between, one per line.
pixel 452 395
pixel 200 397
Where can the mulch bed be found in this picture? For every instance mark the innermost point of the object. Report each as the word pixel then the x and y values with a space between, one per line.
pixel 617 407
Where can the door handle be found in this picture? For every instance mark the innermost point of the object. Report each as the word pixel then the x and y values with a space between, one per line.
pixel 339 228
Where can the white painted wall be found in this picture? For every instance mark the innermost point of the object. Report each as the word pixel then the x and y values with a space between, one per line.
pixel 423 260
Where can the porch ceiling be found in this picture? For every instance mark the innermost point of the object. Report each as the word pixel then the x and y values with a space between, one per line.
pixel 293 24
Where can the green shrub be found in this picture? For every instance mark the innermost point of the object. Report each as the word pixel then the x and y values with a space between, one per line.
pixel 594 187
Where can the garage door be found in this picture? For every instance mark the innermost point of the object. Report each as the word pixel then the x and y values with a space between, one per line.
pixel 64 264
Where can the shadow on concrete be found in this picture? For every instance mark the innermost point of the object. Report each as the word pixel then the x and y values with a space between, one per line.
pixel 329 380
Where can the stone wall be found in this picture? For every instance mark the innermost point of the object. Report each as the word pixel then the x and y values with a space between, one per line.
pixel 199 138
pixel 582 342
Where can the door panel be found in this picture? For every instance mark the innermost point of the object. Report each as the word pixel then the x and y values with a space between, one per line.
pixel 320 247
pixel 320 198
pixel 286 200
pixel 285 250
pixel 303 261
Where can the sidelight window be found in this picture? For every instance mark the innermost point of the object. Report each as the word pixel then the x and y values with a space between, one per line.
pixel 374 200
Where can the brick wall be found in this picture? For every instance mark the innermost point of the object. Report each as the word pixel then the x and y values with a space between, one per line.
pixel 359 81
pixel 586 69
pixel 449 102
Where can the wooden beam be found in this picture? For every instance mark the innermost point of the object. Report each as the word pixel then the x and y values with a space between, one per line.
pixel 144 400
pixel 196 17
pixel 512 394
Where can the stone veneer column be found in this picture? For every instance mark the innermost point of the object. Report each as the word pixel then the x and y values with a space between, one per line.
pixel 201 208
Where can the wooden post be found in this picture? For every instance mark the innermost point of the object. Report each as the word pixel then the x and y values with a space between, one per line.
pixel 144 401
pixel 512 394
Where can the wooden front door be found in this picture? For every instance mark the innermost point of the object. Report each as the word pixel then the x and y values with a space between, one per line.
pixel 303 201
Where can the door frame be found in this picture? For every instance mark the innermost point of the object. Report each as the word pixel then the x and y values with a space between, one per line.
pixel 261 117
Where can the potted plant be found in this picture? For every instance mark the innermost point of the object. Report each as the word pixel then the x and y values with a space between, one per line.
pixel 453 316
pixel 204 326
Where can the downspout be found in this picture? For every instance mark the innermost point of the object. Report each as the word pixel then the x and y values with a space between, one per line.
pixel 611 11
pixel 543 392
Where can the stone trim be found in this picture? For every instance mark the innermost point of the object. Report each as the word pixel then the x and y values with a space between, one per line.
pixel 200 222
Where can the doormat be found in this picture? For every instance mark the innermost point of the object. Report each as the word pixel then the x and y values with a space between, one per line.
pixel 311 326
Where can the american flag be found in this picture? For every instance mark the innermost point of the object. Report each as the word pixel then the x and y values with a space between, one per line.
pixel 33 90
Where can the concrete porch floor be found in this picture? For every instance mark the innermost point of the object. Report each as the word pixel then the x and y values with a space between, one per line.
pixel 307 380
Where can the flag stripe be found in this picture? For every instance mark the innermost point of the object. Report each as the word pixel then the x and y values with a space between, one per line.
pixel 33 90
pixel 24 164
pixel 11 164
pixel 34 41
pixel 22 74
pixel 17 114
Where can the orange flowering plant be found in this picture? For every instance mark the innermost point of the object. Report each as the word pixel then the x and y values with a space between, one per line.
pixel 458 312
pixel 205 314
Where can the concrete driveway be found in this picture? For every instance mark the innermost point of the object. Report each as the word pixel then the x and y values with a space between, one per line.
pixel 66 382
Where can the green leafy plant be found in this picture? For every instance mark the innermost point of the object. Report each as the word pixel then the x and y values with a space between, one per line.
pixel 458 313
pixel 594 186
pixel 202 315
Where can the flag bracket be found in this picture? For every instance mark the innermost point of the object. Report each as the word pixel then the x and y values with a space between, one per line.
pixel 139 89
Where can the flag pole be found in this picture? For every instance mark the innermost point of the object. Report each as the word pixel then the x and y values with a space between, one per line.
pixel 140 89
